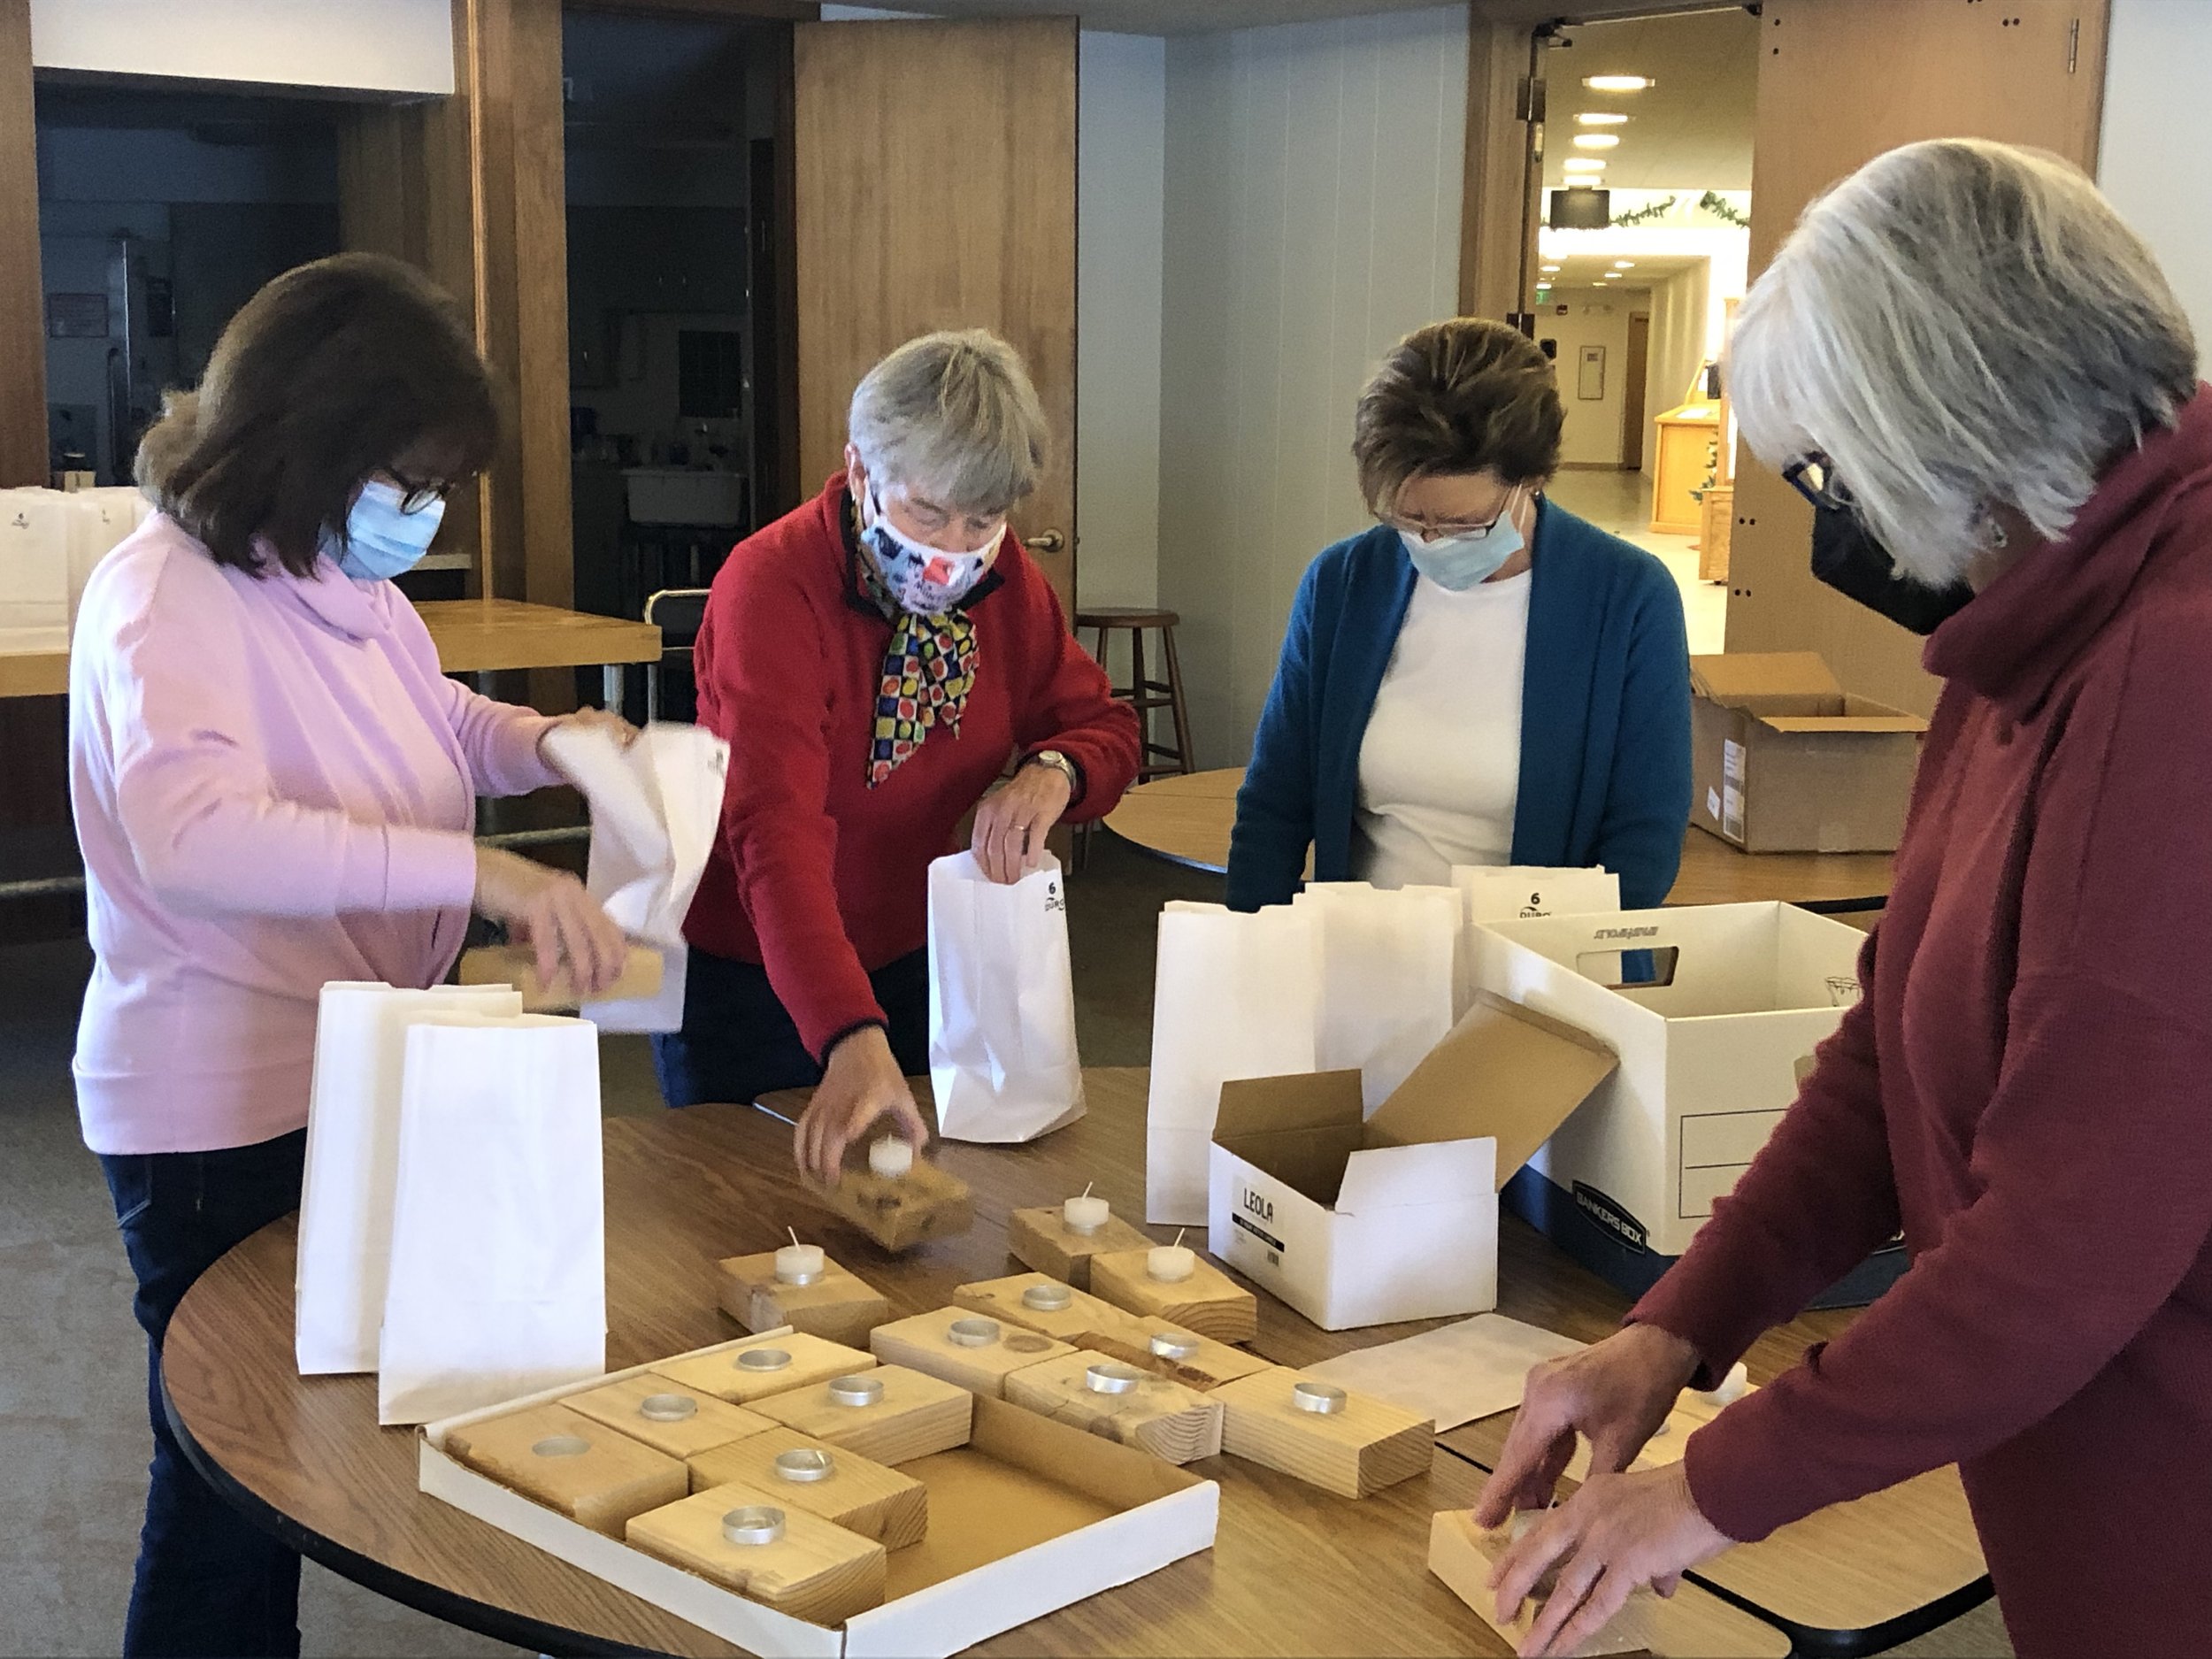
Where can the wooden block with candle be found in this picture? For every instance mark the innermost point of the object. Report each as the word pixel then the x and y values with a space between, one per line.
pixel 517 965
pixel 1107 1397
pixel 746 1540
pixel 1347 1443
pixel 768 1365
pixel 899 1211
pixel 890 1414
pixel 1462 1553
pixel 1166 1349
pixel 1061 1238
pixel 811 1293
pixel 1041 1304
pixel 971 1350
pixel 837 1483
pixel 1171 1281
pixel 595 1476
pixel 675 1422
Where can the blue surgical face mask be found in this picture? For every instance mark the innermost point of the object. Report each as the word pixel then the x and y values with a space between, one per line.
pixel 1461 562
pixel 383 539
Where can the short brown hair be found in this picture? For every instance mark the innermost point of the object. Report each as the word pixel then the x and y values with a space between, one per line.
pixel 1466 396
pixel 334 371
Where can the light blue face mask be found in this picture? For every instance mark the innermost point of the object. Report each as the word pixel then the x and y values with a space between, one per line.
pixel 1461 562
pixel 383 539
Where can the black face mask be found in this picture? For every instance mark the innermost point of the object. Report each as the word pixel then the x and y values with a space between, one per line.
pixel 1848 559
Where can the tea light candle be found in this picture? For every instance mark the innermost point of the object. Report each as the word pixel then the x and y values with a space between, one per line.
pixel 755 1523
pixel 799 1264
pixel 891 1157
pixel 1171 1264
pixel 1085 1214
pixel 1321 1399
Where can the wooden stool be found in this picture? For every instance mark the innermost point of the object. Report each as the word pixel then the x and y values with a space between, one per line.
pixel 1143 694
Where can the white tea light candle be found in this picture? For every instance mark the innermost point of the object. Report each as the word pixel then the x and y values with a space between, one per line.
pixel 891 1158
pixel 1171 1264
pixel 799 1264
pixel 1085 1214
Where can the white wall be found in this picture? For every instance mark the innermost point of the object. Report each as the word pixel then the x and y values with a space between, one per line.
pixel 366 45
pixel 1593 317
pixel 2152 135
pixel 1678 345
pixel 1313 198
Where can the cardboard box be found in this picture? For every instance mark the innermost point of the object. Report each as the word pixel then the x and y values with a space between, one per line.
pixel 1708 1058
pixel 1785 760
pixel 1030 1517
pixel 1357 1224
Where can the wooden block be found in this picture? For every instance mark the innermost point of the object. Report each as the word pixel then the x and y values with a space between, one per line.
pixel 1353 1452
pixel 726 1375
pixel 1462 1553
pixel 1005 1300
pixel 857 1494
pixel 839 1306
pixel 898 1214
pixel 915 1416
pixel 595 1476
pixel 677 1422
pixel 1166 1349
pixel 517 965
pixel 816 1571
pixel 1163 1417
pixel 1208 1302
pixel 1041 1240
pixel 925 1343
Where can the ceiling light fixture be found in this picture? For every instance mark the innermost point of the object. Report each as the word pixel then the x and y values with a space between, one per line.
pixel 1549 270
pixel 1597 141
pixel 1601 118
pixel 1618 83
pixel 1583 164
pixel 1623 264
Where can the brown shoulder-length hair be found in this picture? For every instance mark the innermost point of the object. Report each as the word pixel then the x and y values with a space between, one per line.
pixel 334 371
pixel 1466 396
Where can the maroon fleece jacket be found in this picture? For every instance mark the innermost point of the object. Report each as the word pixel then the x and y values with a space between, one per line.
pixel 2026 1089
pixel 815 875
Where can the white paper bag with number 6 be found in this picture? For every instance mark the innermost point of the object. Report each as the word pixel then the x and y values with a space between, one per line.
pixel 1002 1004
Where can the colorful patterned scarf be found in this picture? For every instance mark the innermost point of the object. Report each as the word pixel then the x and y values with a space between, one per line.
pixel 928 671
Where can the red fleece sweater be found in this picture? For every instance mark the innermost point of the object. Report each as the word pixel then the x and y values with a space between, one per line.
pixel 2027 1090
pixel 815 875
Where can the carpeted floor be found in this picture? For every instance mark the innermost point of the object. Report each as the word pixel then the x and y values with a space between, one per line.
pixel 73 1436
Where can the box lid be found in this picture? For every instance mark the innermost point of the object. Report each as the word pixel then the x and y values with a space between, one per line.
pixel 1300 1129
pixel 1734 675
pixel 1503 1071
pixel 1794 722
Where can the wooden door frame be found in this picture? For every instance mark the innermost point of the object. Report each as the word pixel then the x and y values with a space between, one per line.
pixel 1636 376
pixel 23 437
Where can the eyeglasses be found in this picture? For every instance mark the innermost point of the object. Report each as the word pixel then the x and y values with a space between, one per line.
pixel 415 497
pixel 1813 476
pixel 1435 531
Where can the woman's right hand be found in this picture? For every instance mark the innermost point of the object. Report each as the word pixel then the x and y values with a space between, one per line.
pixel 1617 1394
pixel 577 942
pixel 861 1084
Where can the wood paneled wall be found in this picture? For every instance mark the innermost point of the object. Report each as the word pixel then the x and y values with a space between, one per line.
pixel 22 307
pixel 1489 239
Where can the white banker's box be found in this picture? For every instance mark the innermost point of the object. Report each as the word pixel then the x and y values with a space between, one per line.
pixel 1708 1056
pixel 1356 1224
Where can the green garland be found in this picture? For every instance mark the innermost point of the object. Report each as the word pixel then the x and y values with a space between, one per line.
pixel 1720 208
pixel 1647 213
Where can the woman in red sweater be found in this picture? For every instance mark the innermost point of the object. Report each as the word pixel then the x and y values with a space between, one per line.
pixel 875 659
pixel 1965 358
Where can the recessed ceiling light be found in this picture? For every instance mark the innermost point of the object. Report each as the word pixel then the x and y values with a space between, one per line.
pixel 1548 269
pixel 1580 184
pixel 1597 141
pixel 1618 83
pixel 1583 164
pixel 1601 118
pixel 1623 264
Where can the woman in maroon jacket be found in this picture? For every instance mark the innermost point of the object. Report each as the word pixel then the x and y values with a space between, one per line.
pixel 1966 359
pixel 875 659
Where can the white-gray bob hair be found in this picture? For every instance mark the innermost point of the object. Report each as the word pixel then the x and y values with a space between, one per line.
pixel 1960 325
pixel 952 417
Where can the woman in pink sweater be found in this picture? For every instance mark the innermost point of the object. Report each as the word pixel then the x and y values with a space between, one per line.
pixel 1978 376
pixel 275 787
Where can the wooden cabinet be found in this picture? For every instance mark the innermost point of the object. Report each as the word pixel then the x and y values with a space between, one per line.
pixel 1712 540
pixel 1688 438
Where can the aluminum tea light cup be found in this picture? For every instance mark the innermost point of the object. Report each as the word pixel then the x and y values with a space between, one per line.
pixel 561 1445
pixel 1110 1377
pixel 755 1525
pixel 1321 1399
pixel 1175 1348
pixel 763 1360
pixel 1048 1298
pixel 856 1391
pixel 803 1466
pixel 972 1332
pixel 667 1408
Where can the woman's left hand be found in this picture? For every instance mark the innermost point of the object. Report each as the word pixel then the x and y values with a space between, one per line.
pixel 1012 820
pixel 1617 1533
pixel 604 720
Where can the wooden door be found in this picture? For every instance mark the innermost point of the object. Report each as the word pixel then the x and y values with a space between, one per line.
pixel 1632 384
pixel 936 189
pixel 1839 82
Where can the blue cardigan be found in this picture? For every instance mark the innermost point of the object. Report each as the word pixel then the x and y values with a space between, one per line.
pixel 1605 715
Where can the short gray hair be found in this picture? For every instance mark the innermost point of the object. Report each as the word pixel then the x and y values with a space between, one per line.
pixel 953 415
pixel 1960 325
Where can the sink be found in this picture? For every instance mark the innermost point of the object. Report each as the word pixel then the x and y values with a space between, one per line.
pixel 672 495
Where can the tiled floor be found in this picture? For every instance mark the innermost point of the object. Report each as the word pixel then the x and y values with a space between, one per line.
pixel 1621 503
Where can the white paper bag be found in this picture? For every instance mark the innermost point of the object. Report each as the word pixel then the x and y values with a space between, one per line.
pixel 1502 892
pixel 345 1235
pixel 36 526
pixel 498 1282
pixel 1389 978
pixel 100 520
pixel 1002 1004
pixel 1236 995
pixel 656 808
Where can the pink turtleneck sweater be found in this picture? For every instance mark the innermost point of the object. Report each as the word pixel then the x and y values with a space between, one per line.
pixel 275 786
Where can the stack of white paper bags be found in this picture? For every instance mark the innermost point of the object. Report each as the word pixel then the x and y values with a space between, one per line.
pixel 452 1230
pixel 50 543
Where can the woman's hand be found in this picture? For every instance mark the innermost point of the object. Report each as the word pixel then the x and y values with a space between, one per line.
pixel 575 939
pixel 1617 1533
pixel 861 1084
pixel 604 720
pixel 1616 1394
pixel 1012 823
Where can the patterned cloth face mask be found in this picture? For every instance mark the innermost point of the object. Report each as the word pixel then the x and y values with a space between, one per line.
pixel 923 580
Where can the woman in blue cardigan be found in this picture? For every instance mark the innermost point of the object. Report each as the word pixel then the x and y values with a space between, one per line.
pixel 1484 678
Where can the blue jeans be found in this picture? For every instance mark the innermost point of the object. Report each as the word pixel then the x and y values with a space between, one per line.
pixel 209 1581
pixel 738 1043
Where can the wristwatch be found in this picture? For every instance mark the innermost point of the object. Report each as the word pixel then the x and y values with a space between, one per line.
pixel 1060 764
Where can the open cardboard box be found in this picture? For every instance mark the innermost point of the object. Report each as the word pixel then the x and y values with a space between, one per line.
pixel 1785 760
pixel 1030 1517
pixel 1356 1224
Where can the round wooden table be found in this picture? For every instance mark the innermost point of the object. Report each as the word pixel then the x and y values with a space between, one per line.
pixel 1293 1570
pixel 1187 820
